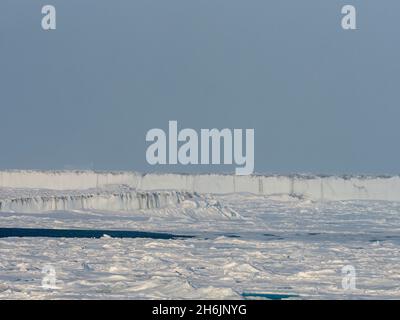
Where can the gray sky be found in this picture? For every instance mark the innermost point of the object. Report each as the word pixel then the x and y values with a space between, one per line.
pixel 320 99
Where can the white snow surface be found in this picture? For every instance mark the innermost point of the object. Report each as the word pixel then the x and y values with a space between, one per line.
pixel 257 234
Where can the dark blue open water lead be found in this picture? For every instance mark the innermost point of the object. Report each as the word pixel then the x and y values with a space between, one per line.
pixel 80 233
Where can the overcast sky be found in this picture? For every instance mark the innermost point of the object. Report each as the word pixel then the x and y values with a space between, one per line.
pixel 320 99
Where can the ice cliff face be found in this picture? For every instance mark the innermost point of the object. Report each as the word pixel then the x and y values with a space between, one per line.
pixel 123 199
pixel 317 188
pixel 119 198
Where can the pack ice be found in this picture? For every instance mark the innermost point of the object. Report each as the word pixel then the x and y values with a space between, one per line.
pixel 253 236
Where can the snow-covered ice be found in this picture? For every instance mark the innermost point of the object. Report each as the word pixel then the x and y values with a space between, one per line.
pixel 259 234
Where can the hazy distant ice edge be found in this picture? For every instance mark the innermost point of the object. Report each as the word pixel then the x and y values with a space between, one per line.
pixel 307 186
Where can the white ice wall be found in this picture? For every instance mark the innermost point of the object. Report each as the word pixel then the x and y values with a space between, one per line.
pixel 313 187
pixel 126 201
pixel 66 180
